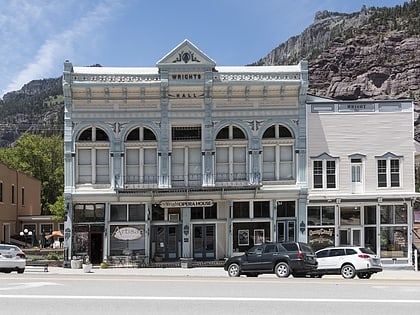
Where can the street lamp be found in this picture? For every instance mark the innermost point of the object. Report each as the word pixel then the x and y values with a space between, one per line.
pixel 25 233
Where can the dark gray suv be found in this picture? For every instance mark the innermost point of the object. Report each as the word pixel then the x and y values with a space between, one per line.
pixel 283 259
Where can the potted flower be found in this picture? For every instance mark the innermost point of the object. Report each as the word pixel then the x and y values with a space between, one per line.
pixel 87 265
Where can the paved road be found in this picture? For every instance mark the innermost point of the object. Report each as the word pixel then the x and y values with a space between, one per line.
pixel 388 273
pixel 204 291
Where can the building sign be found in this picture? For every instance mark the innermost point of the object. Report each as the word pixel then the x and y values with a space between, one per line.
pixel 186 204
pixel 356 107
pixel 186 76
pixel 128 233
pixel 321 237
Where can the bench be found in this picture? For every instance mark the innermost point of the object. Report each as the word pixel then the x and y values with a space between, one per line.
pixel 37 265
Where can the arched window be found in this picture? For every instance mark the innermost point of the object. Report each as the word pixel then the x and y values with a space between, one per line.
pixel 93 157
pixel 141 157
pixel 277 156
pixel 231 155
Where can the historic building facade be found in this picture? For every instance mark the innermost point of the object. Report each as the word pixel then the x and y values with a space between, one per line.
pixel 361 175
pixel 191 160
pixel 183 160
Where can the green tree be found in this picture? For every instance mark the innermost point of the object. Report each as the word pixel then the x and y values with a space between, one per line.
pixel 57 209
pixel 42 158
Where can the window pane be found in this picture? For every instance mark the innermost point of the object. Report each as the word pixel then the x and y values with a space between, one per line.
pixel 241 209
pixel 370 215
pixel 382 173
pixel 286 209
pixel 395 173
pixel 317 174
pixel 350 215
pixel 118 213
pixel 136 212
pixel 331 174
pixel 314 216
pixel 328 215
pixel 261 209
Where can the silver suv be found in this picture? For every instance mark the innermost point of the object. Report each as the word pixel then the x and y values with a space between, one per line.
pixel 348 261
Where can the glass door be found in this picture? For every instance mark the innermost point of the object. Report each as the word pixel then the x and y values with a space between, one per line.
pixel 351 236
pixel 165 239
pixel 204 239
pixel 286 231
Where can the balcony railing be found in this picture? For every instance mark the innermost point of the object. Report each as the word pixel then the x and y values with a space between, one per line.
pixel 191 180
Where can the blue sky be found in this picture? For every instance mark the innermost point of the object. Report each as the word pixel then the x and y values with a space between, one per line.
pixel 36 36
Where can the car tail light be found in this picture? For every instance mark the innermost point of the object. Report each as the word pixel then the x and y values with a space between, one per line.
pixel 364 256
pixel 299 255
pixel 21 255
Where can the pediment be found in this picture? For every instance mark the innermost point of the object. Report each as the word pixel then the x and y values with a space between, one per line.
pixel 186 54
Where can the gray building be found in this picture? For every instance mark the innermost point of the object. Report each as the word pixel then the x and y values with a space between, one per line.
pixel 183 160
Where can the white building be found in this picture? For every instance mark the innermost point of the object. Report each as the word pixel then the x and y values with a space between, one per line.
pixel 361 175
pixel 185 159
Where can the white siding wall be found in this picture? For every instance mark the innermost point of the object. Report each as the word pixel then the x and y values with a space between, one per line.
pixel 371 134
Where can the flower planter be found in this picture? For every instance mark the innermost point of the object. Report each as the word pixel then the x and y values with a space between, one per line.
pixel 87 268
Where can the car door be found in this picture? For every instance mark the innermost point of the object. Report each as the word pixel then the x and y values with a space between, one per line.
pixel 335 259
pixel 322 256
pixel 268 256
pixel 253 258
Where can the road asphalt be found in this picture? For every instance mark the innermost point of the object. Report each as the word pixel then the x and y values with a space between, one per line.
pixel 388 273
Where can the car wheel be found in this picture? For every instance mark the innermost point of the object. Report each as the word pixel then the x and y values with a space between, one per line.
pixel 282 270
pixel 21 270
pixel 233 270
pixel 364 275
pixel 348 271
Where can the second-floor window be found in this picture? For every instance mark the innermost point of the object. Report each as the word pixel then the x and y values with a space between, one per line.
pixel 324 174
pixel 388 170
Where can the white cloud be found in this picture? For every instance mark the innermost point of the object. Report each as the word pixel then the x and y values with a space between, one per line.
pixel 56 46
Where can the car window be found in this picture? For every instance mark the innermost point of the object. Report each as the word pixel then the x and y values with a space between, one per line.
pixel 336 252
pixel 350 251
pixel 291 247
pixel 322 253
pixel 306 248
pixel 270 248
pixel 367 251
pixel 258 249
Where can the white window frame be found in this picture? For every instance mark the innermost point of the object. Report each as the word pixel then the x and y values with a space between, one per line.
pixel 324 159
pixel 388 158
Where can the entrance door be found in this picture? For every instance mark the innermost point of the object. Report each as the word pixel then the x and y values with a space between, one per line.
pixel 204 239
pixel 96 247
pixel 286 231
pixel 350 236
pixel 166 239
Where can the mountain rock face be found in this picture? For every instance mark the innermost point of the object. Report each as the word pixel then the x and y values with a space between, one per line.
pixel 374 53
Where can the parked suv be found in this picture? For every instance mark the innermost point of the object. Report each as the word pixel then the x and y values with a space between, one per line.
pixel 283 259
pixel 348 261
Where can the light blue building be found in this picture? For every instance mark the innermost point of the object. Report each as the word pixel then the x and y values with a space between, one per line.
pixel 183 160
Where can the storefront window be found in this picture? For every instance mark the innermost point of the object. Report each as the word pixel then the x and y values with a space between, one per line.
pixel 158 213
pixel 393 214
pixel 286 209
pixel 241 209
pixel 321 237
pixel 127 240
pixel 89 212
pixel 350 216
pixel 394 242
pixel 370 215
pixel 130 212
pixel 261 209
pixel 200 213
pixel 245 235
pixel 318 215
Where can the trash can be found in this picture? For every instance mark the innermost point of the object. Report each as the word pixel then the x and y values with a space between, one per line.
pixel 186 262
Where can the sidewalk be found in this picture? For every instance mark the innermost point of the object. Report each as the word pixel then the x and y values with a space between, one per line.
pixel 389 273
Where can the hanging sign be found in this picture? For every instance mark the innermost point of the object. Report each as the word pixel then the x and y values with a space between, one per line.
pixel 127 233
